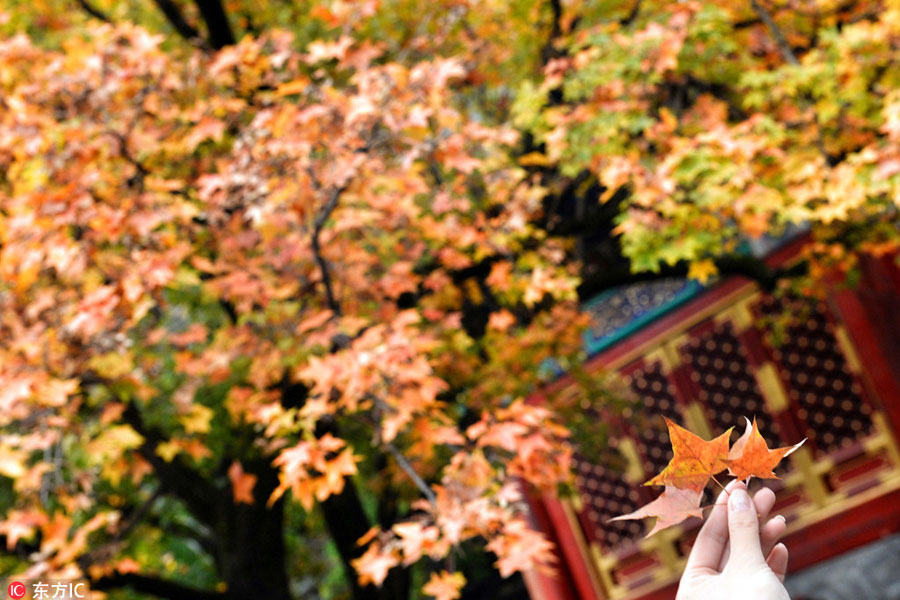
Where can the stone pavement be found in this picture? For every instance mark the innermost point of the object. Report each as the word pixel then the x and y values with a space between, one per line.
pixel 868 573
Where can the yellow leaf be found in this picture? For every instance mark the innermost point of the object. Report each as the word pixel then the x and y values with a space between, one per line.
pixel 168 450
pixel 297 86
pixel 703 270
pixel 113 442
pixel 197 420
pixel 12 462
pixel 112 365
pixel 534 159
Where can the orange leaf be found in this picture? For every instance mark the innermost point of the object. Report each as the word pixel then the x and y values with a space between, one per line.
pixel 128 565
pixel 673 506
pixel 241 483
pixel 444 585
pixel 751 457
pixel 374 564
pixel 695 460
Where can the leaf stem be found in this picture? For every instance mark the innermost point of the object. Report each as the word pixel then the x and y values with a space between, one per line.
pixel 718 483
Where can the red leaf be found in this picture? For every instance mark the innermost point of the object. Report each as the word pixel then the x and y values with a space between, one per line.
pixel 673 506
pixel 695 460
pixel 751 457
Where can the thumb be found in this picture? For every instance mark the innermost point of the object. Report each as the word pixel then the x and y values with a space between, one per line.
pixel 743 530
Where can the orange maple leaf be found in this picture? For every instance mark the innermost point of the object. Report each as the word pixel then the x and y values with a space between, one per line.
pixel 695 459
pixel 673 506
pixel 241 483
pixel 445 586
pixel 374 564
pixel 750 456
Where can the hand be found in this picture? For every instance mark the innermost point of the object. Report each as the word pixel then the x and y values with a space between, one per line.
pixel 733 556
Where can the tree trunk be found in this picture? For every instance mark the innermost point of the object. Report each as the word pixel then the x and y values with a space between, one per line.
pixel 347 522
pixel 251 556
pixel 217 26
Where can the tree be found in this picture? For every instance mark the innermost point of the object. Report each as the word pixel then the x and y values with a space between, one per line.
pixel 710 123
pixel 299 285
pixel 234 275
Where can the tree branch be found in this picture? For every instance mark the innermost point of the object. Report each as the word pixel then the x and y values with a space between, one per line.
pixel 182 530
pixel 788 54
pixel 178 477
pixel 158 587
pixel 318 226
pixel 177 20
pixel 93 11
pixel 632 14
pixel 549 50
pixel 411 472
pixel 776 32
pixel 141 171
pixel 217 26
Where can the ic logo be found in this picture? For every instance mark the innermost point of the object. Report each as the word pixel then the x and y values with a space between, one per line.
pixel 16 590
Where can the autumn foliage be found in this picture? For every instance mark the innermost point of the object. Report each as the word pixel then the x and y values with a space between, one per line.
pixel 187 243
pixel 296 272
pixel 696 462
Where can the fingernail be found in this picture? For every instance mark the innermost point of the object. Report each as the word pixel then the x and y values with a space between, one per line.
pixel 740 500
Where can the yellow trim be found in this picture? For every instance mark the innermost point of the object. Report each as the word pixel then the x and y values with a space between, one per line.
pixel 811 479
pixel 849 351
pixel 604 565
pixel 741 314
pixel 883 439
pixel 575 499
pixel 771 387
pixel 695 420
pixel 634 471
pixel 665 548
pixel 659 356
pixel 670 349
pixel 841 503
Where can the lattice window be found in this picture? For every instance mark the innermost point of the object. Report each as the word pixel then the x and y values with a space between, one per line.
pixel 828 399
pixel 727 386
pixel 656 396
pixel 605 494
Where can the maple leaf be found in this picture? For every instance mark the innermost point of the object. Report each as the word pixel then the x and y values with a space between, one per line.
pixel 241 483
pixel 520 548
pixel 672 507
pixel 444 585
pixel 207 129
pixel 695 460
pixel 128 565
pixel 501 320
pixel 21 524
pixel 12 461
pixel 702 270
pixel 374 564
pixel 197 419
pixel 750 456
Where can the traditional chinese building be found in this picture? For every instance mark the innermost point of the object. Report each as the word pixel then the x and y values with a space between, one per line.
pixel 706 357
